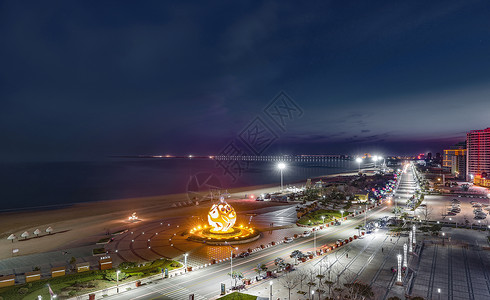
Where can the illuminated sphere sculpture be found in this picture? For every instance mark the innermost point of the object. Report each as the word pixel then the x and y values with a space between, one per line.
pixel 221 229
pixel 221 217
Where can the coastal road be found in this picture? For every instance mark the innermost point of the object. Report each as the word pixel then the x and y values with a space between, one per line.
pixel 205 283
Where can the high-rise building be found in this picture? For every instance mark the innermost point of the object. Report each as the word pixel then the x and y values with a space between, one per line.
pixel 454 160
pixel 478 156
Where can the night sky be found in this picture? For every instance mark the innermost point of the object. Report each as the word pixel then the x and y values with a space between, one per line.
pixel 81 80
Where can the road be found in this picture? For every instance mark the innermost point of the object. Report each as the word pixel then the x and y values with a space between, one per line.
pixel 205 283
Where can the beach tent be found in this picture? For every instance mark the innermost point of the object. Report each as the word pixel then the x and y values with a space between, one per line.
pixel 25 235
pixel 37 232
pixel 11 237
pixel 49 230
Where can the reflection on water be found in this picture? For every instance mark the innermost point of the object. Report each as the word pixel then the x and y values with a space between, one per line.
pixel 42 184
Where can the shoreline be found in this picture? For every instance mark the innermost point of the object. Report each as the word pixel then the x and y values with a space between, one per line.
pixel 86 222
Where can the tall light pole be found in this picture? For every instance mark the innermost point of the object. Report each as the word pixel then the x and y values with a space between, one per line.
pixel 323 219
pixel 117 281
pixel 270 283
pixel 365 215
pixel 314 241
pixel 185 262
pixel 375 159
pixel 231 264
pixel 398 272
pixel 414 238
pixel 281 167
pixel 342 212
pixel 410 241
pixel 312 295
pixel 359 161
pixel 405 262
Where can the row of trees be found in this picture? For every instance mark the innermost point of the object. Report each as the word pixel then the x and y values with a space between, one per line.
pixel 26 234
pixel 330 283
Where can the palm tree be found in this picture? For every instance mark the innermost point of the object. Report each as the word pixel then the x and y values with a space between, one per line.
pixel 236 276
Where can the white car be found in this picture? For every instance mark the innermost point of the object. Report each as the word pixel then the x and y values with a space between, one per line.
pixel 306 233
pixel 288 240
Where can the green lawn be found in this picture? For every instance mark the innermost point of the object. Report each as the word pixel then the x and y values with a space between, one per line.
pixel 237 295
pixel 104 240
pixel 82 283
pixel 316 217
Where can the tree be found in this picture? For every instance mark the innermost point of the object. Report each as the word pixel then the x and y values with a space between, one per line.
pixel 359 290
pixel 289 282
pixel 427 212
pixel 73 261
pixel 311 280
pixel 12 237
pixel 112 275
pixel 302 275
pixel 236 276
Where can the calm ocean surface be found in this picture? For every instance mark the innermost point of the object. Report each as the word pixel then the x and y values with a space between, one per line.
pixel 26 185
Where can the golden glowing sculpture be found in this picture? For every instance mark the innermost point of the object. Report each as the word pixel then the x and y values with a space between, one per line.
pixel 221 217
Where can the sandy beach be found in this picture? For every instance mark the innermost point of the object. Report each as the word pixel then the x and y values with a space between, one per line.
pixel 85 223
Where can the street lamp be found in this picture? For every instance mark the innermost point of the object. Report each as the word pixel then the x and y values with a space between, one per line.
pixel 312 295
pixel 323 219
pixel 398 271
pixel 117 281
pixel 185 261
pixel 270 283
pixel 231 264
pixel 375 159
pixel 281 166
pixel 359 161
pixel 365 214
pixel 342 212
pixel 439 293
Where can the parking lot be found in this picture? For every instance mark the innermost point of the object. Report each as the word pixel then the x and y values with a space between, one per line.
pixel 439 207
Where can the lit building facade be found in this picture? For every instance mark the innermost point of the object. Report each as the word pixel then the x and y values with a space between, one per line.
pixel 454 160
pixel 478 156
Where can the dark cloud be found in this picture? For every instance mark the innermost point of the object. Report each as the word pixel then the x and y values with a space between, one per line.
pixel 82 80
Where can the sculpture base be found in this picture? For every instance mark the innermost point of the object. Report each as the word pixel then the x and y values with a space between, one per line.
pixel 239 235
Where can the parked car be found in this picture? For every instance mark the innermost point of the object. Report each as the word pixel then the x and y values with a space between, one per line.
pixel 244 254
pixel 278 261
pixel 307 233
